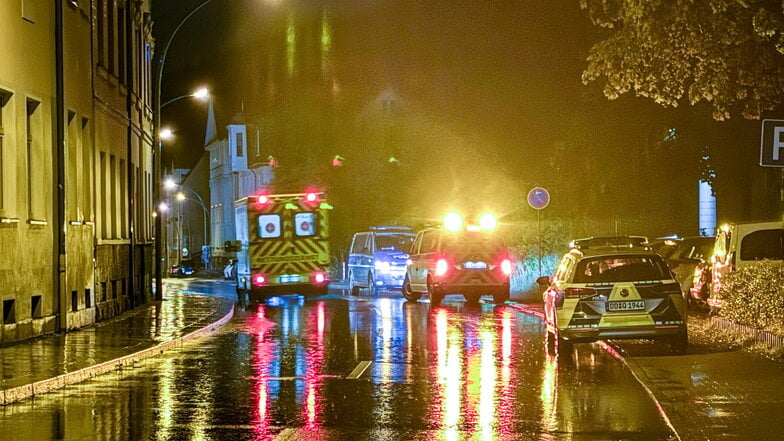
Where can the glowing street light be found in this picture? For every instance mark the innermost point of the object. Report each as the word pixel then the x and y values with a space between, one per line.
pixel 201 93
pixel 166 134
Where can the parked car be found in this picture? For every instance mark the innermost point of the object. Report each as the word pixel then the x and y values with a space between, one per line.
pixel 686 256
pixel 458 258
pixel 377 258
pixel 621 291
pixel 741 244
pixel 183 269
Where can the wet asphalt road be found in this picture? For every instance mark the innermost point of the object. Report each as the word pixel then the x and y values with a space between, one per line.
pixel 340 368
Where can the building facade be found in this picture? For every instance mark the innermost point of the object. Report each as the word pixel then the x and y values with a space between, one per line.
pixel 237 168
pixel 75 162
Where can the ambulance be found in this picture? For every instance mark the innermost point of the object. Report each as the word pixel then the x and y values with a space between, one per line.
pixel 284 246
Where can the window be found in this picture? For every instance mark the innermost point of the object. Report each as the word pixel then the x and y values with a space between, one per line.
pixel 111 34
pixel 258 142
pixel 34 161
pixel 417 243
pixel 87 172
pixel 621 269
pixel 399 242
pixel 429 242
pixel 101 19
pixel 360 243
pixel 121 45
pixel 112 218
pixel 35 307
pixel 72 154
pixel 240 148
pixel 305 224
pixel 9 312
pixel 4 97
pixel 763 244
pixel 103 208
pixel 269 226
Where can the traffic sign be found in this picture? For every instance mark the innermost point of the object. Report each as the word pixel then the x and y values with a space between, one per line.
pixel 772 143
pixel 538 198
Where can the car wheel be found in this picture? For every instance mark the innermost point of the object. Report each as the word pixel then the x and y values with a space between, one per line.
pixel 435 295
pixel 372 290
pixel 352 288
pixel 410 295
pixel 678 343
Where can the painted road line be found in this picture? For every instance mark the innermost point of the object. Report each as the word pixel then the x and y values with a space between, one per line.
pixel 359 370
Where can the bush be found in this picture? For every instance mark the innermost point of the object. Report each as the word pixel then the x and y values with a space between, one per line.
pixel 754 296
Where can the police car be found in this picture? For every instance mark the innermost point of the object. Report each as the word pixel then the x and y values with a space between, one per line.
pixel 458 258
pixel 614 288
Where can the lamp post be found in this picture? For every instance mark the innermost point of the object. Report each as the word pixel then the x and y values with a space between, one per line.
pixel 169 184
pixel 157 142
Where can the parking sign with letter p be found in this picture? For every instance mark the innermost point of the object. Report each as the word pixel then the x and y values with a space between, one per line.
pixel 772 143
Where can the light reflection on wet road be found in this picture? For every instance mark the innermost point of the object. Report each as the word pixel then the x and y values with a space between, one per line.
pixel 295 371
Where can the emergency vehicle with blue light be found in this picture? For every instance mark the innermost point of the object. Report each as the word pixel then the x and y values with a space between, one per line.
pixel 284 242
pixel 459 258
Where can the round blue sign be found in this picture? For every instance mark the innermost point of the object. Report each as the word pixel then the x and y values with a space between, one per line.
pixel 538 198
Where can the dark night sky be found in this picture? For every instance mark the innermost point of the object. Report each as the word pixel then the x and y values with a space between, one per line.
pixel 505 73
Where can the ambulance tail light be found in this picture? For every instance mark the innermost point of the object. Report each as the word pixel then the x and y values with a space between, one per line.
pixel 506 267
pixel 319 278
pixel 577 293
pixel 259 280
pixel 262 199
pixel 442 266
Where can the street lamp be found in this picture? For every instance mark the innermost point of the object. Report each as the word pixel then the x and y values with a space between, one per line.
pixel 169 184
pixel 201 93
pixel 157 142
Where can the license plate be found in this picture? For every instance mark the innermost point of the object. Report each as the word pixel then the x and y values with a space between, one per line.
pixel 475 265
pixel 289 279
pixel 630 305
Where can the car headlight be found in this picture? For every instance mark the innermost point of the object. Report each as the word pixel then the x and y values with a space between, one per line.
pixel 382 267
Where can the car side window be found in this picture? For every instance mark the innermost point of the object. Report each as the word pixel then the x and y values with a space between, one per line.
pixel 417 242
pixel 360 242
pixel 429 242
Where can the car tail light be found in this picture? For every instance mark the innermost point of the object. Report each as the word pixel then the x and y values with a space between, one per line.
pixel 576 293
pixel 262 199
pixel 506 267
pixel 319 278
pixel 442 266
pixel 259 280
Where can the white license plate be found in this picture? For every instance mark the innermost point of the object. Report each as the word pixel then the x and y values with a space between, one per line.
pixel 475 265
pixel 630 305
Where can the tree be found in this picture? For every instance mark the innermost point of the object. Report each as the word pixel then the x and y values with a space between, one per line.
pixel 728 53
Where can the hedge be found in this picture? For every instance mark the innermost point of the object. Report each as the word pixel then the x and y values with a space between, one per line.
pixel 754 296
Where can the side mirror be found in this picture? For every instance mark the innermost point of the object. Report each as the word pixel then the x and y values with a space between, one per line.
pixel 543 281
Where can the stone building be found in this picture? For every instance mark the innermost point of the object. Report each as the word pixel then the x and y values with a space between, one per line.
pixel 75 162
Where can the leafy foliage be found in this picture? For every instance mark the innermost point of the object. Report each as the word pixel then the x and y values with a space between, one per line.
pixel 729 53
pixel 754 296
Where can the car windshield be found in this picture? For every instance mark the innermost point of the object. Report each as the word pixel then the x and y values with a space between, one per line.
pixel 400 242
pixel 481 241
pixel 620 269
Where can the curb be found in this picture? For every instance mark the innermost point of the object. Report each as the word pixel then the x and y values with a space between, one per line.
pixel 772 340
pixel 637 374
pixel 615 353
pixel 20 393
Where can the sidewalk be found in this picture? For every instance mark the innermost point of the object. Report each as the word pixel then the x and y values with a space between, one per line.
pixel 709 393
pixel 36 366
